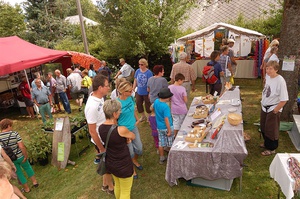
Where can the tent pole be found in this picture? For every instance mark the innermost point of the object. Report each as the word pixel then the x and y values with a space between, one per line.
pixel 27 78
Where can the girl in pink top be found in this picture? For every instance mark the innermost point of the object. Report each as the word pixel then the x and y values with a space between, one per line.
pixel 178 102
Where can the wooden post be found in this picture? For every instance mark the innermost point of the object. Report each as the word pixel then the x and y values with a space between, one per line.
pixel 61 135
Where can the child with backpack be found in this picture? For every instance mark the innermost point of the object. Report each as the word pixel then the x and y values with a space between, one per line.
pixel 215 84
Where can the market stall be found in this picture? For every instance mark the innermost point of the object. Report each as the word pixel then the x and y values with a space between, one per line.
pixel 200 44
pixel 19 57
pixel 211 162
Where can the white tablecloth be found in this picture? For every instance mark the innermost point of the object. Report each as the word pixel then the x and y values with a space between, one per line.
pixel 245 68
pixel 279 171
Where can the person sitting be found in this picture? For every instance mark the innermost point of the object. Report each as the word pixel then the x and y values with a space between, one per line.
pixel 125 71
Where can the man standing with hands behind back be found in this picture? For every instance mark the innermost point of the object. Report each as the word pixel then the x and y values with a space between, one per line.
pixel 95 117
pixel 61 87
pixel 42 98
pixel 187 71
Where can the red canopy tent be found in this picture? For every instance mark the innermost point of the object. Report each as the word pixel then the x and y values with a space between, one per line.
pixel 17 54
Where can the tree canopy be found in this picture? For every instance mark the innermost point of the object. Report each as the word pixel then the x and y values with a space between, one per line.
pixel 11 20
pixel 140 27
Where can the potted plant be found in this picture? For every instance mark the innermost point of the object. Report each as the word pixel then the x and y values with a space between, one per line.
pixel 39 147
pixel 77 121
pixel 48 125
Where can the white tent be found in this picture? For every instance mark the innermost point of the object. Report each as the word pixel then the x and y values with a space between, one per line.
pixel 75 20
pixel 204 39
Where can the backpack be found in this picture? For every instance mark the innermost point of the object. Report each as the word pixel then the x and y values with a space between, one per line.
pixel 208 75
pixel 8 150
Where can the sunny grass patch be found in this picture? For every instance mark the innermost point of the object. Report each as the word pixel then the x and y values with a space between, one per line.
pixel 83 182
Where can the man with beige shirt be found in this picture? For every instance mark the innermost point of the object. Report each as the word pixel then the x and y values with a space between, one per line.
pixel 188 72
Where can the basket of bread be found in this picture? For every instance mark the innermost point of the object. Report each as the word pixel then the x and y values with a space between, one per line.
pixel 208 99
pixel 200 112
pixel 234 118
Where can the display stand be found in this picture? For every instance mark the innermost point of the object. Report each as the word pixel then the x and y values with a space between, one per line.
pixel 85 128
pixel 61 144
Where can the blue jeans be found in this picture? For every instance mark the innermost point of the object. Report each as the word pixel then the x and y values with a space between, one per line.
pixel 136 146
pixel 45 109
pixel 64 100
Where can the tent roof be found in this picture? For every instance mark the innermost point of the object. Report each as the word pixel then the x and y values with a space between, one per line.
pixel 238 30
pixel 84 60
pixel 17 54
pixel 75 20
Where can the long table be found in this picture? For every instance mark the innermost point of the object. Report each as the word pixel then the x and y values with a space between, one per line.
pixel 245 68
pixel 223 161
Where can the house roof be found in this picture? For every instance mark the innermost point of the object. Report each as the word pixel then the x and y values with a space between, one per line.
pixel 75 20
pixel 17 54
pixel 204 15
pixel 238 30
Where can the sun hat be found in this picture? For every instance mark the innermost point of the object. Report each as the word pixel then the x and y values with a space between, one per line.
pixel 165 93
pixel 230 41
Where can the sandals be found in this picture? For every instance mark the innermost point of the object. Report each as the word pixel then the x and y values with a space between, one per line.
pixel 139 167
pixel 23 190
pixel 267 152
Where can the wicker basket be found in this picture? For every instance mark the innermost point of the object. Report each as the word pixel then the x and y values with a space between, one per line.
pixel 234 118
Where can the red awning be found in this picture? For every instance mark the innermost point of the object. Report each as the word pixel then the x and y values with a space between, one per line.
pixel 85 60
pixel 17 54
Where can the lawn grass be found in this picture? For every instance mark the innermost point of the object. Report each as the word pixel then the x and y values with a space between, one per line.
pixel 81 181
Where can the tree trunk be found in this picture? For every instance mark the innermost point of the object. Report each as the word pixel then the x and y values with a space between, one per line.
pixel 290 45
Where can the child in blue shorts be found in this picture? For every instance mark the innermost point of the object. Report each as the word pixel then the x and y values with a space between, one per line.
pixel 164 122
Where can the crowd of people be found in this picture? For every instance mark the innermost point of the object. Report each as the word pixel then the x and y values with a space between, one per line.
pixel 139 96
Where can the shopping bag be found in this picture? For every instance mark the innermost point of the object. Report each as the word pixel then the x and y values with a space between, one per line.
pixel 227 72
pixel 101 170
pixel 231 80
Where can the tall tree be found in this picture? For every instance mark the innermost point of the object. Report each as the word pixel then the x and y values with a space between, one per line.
pixel 290 45
pixel 46 23
pixel 141 27
pixel 11 20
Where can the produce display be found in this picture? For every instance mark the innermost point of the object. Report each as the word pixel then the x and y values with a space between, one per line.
pixel 200 112
pixel 209 99
pixel 197 134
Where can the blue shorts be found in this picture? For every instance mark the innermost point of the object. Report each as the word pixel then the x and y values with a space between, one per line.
pixel 165 140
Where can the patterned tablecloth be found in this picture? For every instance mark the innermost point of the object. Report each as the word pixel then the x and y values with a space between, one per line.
pixel 223 161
